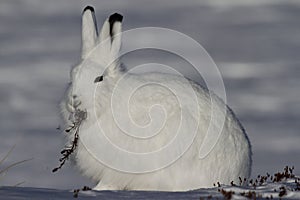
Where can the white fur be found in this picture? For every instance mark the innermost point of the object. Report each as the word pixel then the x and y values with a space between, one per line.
pixel 229 159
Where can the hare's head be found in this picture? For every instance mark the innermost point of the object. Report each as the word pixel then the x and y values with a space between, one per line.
pixel 99 52
pixel 99 55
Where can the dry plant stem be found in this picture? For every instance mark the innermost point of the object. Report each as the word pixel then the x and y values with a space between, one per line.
pixel 18 184
pixel 79 116
pixel 8 153
pixel 261 180
pixel 12 165
pixel 76 191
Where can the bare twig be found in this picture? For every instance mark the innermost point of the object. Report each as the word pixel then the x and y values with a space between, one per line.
pixel 79 116
pixel 14 164
pixel 18 184
pixel 8 153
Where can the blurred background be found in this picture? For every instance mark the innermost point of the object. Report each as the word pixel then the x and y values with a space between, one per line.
pixel 255 44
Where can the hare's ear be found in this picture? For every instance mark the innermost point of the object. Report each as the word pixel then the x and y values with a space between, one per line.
pixel 115 21
pixel 110 40
pixel 110 35
pixel 89 30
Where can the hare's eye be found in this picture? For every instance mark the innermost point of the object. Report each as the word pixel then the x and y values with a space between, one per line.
pixel 98 79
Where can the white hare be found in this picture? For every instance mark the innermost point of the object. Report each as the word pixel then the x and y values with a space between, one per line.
pixel 104 93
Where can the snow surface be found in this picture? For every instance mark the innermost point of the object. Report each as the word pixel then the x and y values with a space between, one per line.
pixel 255 44
pixel 267 190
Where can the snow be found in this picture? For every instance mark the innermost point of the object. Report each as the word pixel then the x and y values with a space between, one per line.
pixel 255 45
pixel 267 190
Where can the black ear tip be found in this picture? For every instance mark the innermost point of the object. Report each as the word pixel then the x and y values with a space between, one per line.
pixel 91 8
pixel 116 17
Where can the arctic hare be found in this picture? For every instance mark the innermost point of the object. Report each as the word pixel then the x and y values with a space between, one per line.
pixel 98 95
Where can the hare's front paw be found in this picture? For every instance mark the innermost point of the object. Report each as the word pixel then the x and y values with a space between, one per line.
pixel 74 107
pixel 77 115
pixel 73 103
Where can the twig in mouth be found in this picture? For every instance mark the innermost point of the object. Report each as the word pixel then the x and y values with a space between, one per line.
pixel 79 116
